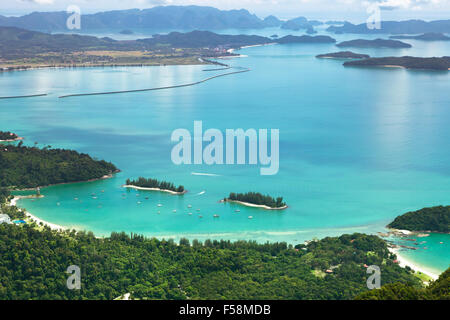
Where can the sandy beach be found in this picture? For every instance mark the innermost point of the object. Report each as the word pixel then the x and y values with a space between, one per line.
pixel 38 221
pixel 255 205
pixel 403 262
pixel 155 189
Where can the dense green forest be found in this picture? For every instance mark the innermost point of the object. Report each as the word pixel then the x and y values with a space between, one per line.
pixel 437 290
pixel 30 167
pixel 435 219
pixel 257 198
pixel 433 63
pixel 7 135
pixel 153 183
pixel 33 265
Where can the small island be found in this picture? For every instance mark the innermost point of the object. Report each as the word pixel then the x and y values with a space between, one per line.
pixel 404 62
pixel 434 219
pixel 154 185
pixel 9 137
pixel 377 43
pixel 343 55
pixel 430 36
pixel 126 32
pixel 258 200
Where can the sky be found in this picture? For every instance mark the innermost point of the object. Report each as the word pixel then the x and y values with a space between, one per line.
pixel 351 10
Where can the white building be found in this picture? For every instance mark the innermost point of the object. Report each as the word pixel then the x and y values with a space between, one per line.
pixel 4 218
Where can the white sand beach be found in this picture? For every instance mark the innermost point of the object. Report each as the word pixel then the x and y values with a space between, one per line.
pixel 38 221
pixel 255 205
pixel 403 262
pixel 154 189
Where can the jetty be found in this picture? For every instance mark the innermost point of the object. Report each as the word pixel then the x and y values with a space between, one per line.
pixel 25 96
pixel 154 89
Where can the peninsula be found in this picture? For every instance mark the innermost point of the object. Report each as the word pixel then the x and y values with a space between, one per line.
pixel 257 200
pixel 24 167
pixel 433 219
pixel 442 63
pixel 154 185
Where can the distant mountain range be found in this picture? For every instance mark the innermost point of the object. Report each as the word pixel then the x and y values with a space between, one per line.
pixel 162 17
pixel 431 36
pixel 395 27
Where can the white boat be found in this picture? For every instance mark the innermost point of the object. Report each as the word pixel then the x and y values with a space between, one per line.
pixel 216 216
pixel 189 206
pixel 174 210
pixel 237 210
pixel 159 205
pixel 250 217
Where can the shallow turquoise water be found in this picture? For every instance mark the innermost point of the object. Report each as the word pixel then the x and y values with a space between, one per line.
pixel 357 146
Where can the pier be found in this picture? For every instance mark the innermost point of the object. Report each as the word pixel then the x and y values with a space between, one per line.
pixel 154 89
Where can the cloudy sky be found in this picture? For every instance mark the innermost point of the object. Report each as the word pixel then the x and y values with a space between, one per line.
pixel 353 10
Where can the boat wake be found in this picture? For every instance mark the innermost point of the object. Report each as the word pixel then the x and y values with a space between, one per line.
pixel 205 174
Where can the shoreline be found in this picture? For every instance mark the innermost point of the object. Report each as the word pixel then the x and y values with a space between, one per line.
pixel 32 217
pixel 13 140
pixel 154 189
pixel 106 176
pixel 99 65
pixel 403 262
pixel 248 204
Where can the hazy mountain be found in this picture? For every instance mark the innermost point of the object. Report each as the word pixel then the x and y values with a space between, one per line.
pixel 164 17
pixel 272 21
pixel 300 23
pixel 396 27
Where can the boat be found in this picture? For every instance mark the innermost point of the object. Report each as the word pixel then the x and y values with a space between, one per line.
pixel 189 206
pixel 216 216
pixel 159 205
pixel 237 210
pixel 198 209
pixel 190 213
pixel 146 198
pixel 174 210
pixel 250 217
pixel 200 216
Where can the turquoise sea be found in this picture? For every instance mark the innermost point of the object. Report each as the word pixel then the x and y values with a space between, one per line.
pixel 358 146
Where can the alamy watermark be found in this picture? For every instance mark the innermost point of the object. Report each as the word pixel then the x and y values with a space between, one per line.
pixel 231 150
pixel 73 22
pixel 374 20
pixel 374 281
pixel 74 280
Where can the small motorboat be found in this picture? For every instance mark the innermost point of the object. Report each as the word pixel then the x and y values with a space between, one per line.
pixel 216 216
pixel 250 217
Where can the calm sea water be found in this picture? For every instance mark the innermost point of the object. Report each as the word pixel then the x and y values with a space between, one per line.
pixel 357 146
